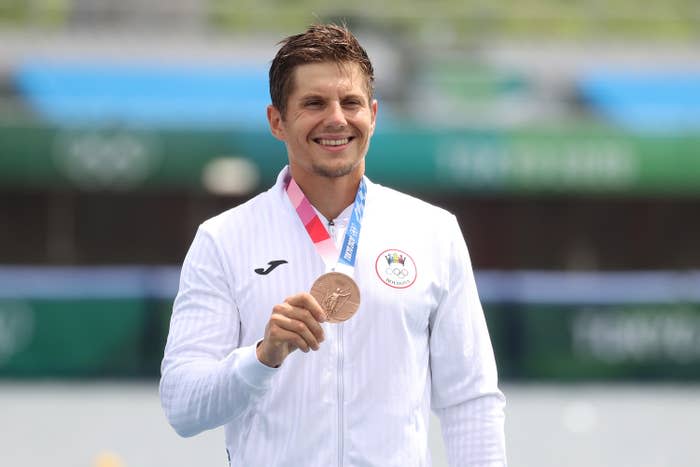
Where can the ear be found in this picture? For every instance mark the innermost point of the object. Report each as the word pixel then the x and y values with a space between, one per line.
pixel 274 118
pixel 374 107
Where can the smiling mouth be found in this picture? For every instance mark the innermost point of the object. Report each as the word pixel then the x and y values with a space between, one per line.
pixel 333 142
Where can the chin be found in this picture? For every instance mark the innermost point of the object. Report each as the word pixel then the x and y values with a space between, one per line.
pixel 335 171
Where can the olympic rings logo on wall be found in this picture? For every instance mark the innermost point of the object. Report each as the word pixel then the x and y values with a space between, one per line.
pixel 396 268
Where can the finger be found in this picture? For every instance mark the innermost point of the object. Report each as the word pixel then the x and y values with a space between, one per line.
pixel 297 327
pixel 304 315
pixel 291 339
pixel 290 309
pixel 307 301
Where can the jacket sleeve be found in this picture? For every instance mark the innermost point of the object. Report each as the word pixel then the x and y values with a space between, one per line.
pixel 206 381
pixel 465 393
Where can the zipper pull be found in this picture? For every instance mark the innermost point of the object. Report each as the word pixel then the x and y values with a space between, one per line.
pixel 331 228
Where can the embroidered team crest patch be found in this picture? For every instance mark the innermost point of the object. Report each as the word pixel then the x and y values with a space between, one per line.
pixel 396 269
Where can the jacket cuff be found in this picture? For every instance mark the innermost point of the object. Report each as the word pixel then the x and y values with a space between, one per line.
pixel 252 371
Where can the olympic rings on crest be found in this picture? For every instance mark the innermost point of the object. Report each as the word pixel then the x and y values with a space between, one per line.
pixel 397 272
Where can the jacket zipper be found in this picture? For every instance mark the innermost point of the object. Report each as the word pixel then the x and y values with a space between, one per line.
pixel 340 394
pixel 331 230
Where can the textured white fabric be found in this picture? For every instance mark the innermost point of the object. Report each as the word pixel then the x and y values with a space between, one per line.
pixel 362 399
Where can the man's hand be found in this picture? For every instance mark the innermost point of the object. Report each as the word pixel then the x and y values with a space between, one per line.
pixel 294 324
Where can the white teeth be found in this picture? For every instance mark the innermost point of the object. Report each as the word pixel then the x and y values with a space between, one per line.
pixel 334 142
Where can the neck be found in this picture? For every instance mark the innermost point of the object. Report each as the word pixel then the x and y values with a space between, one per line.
pixel 329 195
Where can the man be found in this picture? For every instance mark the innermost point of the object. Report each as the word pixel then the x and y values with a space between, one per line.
pixel 351 384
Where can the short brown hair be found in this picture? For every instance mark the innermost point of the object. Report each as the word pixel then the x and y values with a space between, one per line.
pixel 320 43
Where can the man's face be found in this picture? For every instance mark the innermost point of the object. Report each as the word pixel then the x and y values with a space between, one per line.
pixel 328 122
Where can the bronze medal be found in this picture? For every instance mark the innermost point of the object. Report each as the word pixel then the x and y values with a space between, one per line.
pixel 338 295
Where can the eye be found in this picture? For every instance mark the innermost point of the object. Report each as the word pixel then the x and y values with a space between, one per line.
pixel 352 103
pixel 313 103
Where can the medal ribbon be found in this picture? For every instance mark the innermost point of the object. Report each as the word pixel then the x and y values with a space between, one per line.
pixel 325 246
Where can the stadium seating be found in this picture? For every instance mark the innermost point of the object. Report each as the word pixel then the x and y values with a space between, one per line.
pixel 145 94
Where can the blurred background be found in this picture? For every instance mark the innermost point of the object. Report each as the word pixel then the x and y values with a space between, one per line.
pixel 565 135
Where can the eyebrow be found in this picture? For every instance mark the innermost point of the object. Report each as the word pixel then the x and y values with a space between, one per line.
pixel 360 96
pixel 310 96
pixel 313 95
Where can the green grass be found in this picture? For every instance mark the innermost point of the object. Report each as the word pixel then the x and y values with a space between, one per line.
pixel 458 19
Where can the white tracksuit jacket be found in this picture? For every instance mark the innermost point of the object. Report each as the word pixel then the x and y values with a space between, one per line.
pixel 418 341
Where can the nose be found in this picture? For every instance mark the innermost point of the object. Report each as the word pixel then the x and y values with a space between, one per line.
pixel 335 117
